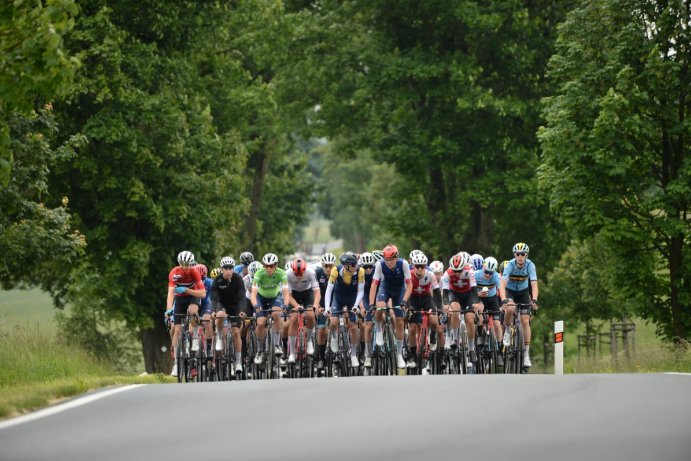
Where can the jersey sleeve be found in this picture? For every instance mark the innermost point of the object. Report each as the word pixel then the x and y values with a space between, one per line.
pixel 378 274
pixel 435 284
pixel 406 271
pixel 532 273
pixel 198 284
pixel 445 281
pixel 333 276
pixel 507 271
pixel 170 279
pixel 472 281
pixel 361 275
pixel 313 281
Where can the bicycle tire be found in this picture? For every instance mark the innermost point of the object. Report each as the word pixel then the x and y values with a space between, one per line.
pixel 463 348
pixel 391 346
pixel 492 369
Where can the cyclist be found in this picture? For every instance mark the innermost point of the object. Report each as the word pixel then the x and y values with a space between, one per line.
pixel 246 258
pixel 347 284
pixel 322 274
pixel 185 287
pixel 268 285
pixel 304 288
pixel 367 261
pixel 437 268
pixel 424 285
pixel 519 285
pixel 228 298
pixel 393 273
pixel 488 281
pixel 206 310
pixel 460 293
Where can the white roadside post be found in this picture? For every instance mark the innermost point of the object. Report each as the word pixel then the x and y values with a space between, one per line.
pixel 559 347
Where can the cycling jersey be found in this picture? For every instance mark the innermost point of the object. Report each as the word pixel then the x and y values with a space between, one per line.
pixel 460 282
pixel 247 279
pixel 206 301
pixel 239 269
pixel 228 294
pixel 347 288
pixel 423 286
pixel 517 277
pixel 492 283
pixel 308 281
pixel 187 277
pixel 395 278
pixel 323 281
pixel 269 286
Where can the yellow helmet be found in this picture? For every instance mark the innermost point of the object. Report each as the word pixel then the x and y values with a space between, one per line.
pixel 215 272
pixel 502 266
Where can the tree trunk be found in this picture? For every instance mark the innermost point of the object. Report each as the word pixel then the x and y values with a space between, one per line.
pixel 675 264
pixel 482 230
pixel 436 204
pixel 156 348
pixel 259 162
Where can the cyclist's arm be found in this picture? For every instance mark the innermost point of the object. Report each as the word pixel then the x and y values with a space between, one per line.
pixel 445 296
pixel 532 273
pixel 253 296
pixel 375 283
pixel 408 281
pixel 329 291
pixel 214 296
pixel 533 285
pixel 436 295
pixel 317 296
pixel 239 295
pixel 171 297
pixel 287 298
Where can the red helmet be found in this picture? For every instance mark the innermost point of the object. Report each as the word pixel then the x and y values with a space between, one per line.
pixel 299 265
pixel 390 251
pixel 201 268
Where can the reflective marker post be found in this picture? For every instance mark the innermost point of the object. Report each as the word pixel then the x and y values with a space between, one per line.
pixel 559 347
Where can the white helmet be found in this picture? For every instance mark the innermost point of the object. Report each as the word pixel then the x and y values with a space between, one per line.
pixel 413 253
pixel 476 260
pixel 490 264
pixel 329 258
pixel 521 247
pixel 419 259
pixel 459 261
pixel 254 267
pixel 287 266
pixel 378 255
pixel 186 258
pixel 227 261
pixel 367 259
pixel 437 267
pixel 270 259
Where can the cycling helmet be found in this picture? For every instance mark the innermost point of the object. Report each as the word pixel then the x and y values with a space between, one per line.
pixel 490 264
pixel 348 258
pixel 390 251
pixel 270 259
pixel 521 247
pixel 419 259
pixel 437 267
pixel 185 258
pixel 476 260
pixel 254 267
pixel 459 261
pixel 298 266
pixel 203 271
pixel 227 261
pixel 378 255
pixel 367 259
pixel 502 266
pixel 413 253
pixel 287 266
pixel 328 258
pixel 246 258
pixel 215 272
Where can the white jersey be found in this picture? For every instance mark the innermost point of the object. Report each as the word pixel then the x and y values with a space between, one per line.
pixel 248 286
pixel 308 281
pixel 424 285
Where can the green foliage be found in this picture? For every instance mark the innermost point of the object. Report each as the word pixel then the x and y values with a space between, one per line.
pixel 36 237
pixel 616 152
pixel 33 63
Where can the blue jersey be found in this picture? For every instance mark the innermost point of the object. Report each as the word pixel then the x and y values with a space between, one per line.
pixel 206 302
pixel 238 269
pixel 392 280
pixel 492 284
pixel 518 277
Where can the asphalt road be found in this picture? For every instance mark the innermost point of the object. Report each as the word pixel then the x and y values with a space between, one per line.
pixel 531 417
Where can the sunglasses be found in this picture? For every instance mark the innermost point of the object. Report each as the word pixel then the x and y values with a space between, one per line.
pixel 227 268
pixel 270 266
pixel 368 267
pixel 457 271
pixel 420 266
pixel 489 272
pixel 519 254
pixel 390 260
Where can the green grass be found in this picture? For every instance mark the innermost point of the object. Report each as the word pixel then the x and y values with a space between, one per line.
pixel 38 368
pixel 26 307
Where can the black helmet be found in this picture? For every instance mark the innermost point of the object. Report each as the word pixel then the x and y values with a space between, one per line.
pixel 348 258
pixel 246 258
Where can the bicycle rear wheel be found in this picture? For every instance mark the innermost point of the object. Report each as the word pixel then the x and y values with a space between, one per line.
pixel 463 349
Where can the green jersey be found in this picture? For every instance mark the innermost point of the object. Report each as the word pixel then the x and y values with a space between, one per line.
pixel 269 286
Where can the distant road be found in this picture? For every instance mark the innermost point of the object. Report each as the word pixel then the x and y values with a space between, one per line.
pixel 426 418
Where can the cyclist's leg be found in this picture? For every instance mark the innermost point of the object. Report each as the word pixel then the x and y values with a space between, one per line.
pixel 235 324
pixel 454 321
pixel 292 335
pixel 193 312
pixel 277 315
pixel 354 338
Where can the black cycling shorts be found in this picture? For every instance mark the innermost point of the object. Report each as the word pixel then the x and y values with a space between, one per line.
pixel 180 306
pixel 420 303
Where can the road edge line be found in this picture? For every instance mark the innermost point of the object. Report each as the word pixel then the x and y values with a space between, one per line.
pixel 59 408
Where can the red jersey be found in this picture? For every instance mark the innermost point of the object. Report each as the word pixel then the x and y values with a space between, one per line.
pixel 188 278
pixel 460 282
pixel 424 286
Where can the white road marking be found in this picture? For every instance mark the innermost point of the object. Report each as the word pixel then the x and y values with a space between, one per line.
pixel 65 406
pixel 677 373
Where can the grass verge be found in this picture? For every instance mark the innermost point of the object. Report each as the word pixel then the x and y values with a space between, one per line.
pixel 38 368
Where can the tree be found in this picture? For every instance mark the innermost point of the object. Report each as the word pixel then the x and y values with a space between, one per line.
pixel 616 146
